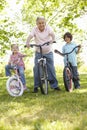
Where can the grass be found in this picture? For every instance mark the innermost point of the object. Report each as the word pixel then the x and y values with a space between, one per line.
pixel 55 111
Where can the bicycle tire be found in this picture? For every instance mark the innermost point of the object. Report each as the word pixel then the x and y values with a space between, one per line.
pixel 43 79
pixel 14 87
pixel 67 77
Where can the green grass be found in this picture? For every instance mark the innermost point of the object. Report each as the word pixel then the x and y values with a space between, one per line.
pixel 55 111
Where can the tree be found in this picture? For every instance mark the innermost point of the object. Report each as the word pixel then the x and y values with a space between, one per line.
pixel 59 13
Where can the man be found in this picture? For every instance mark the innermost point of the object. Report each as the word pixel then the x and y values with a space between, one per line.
pixel 43 33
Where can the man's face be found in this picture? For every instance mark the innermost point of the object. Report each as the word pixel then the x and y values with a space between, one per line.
pixel 41 24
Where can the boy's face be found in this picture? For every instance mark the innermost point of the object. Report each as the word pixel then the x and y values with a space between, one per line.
pixel 67 39
pixel 41 24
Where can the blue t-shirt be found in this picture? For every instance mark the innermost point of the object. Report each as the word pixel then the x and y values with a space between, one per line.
pixel 72 57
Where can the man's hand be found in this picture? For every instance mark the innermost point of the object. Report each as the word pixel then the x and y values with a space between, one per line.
pixel 27 45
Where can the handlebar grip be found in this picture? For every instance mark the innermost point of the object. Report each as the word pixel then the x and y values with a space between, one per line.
pixel 79 46
pixel 54 41
pixel 25 46
pixel 31 45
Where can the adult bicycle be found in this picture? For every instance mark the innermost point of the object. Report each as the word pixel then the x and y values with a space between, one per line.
pixel 67 72
pixel 42 69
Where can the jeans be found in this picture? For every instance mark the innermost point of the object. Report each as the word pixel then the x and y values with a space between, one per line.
pixel 20 69
pixel 75 76
pixel 50 69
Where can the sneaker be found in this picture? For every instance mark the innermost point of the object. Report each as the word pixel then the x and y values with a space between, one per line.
pixel 78 87
pixel 35 90
pixel 57 88
pixel 25 88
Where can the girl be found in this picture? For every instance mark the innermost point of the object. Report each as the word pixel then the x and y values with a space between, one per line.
pixel 16 60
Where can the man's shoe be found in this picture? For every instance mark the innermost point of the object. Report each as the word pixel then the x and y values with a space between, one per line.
pixel 78 87
pixel 58 89
pixel 35 90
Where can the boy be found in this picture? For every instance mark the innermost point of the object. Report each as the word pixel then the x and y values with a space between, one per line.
pixel 72 57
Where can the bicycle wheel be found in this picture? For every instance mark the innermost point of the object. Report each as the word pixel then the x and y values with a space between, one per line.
pixel 67 77
pixel 14 86
pixel 43 77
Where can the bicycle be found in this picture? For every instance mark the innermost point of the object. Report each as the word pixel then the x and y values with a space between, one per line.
pixel 42 69
pixel 67 72
pixel 14 85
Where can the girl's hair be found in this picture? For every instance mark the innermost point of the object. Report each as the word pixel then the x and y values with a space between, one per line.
pixel 12 45
pixel 67 34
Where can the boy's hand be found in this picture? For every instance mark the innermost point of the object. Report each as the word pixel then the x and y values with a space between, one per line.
pixel 79 46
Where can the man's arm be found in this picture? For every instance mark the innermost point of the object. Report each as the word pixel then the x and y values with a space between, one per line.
pixel 53 36
pixel 28 40
pixel 51 32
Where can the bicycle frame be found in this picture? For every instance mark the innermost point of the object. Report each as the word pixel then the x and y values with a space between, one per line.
pixel 42 70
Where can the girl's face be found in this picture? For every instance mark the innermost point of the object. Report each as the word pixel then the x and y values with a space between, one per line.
pixel 15 49
pixel 67 39
pixel 41 24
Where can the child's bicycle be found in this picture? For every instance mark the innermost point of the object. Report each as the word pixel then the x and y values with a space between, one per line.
pixel 67 72
pixel 42 69
pixel 14 85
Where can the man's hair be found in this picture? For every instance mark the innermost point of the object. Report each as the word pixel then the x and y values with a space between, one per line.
pixel 69 35
pixel 40 17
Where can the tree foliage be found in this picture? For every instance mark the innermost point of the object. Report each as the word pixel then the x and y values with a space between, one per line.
pixel 59 13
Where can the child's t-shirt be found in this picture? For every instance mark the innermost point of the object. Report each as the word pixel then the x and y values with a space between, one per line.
pixel 72 57
pixel 17 59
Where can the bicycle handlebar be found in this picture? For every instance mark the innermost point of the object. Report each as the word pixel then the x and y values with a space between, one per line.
pixel 46 43
pixel 63 54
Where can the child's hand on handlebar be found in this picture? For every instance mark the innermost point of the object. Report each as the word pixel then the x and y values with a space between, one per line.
pixel 79 46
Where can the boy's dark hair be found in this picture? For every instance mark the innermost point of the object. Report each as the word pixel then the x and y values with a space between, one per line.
pixel 69 35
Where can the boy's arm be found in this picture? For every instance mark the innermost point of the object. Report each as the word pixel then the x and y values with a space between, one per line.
pixel 79 47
